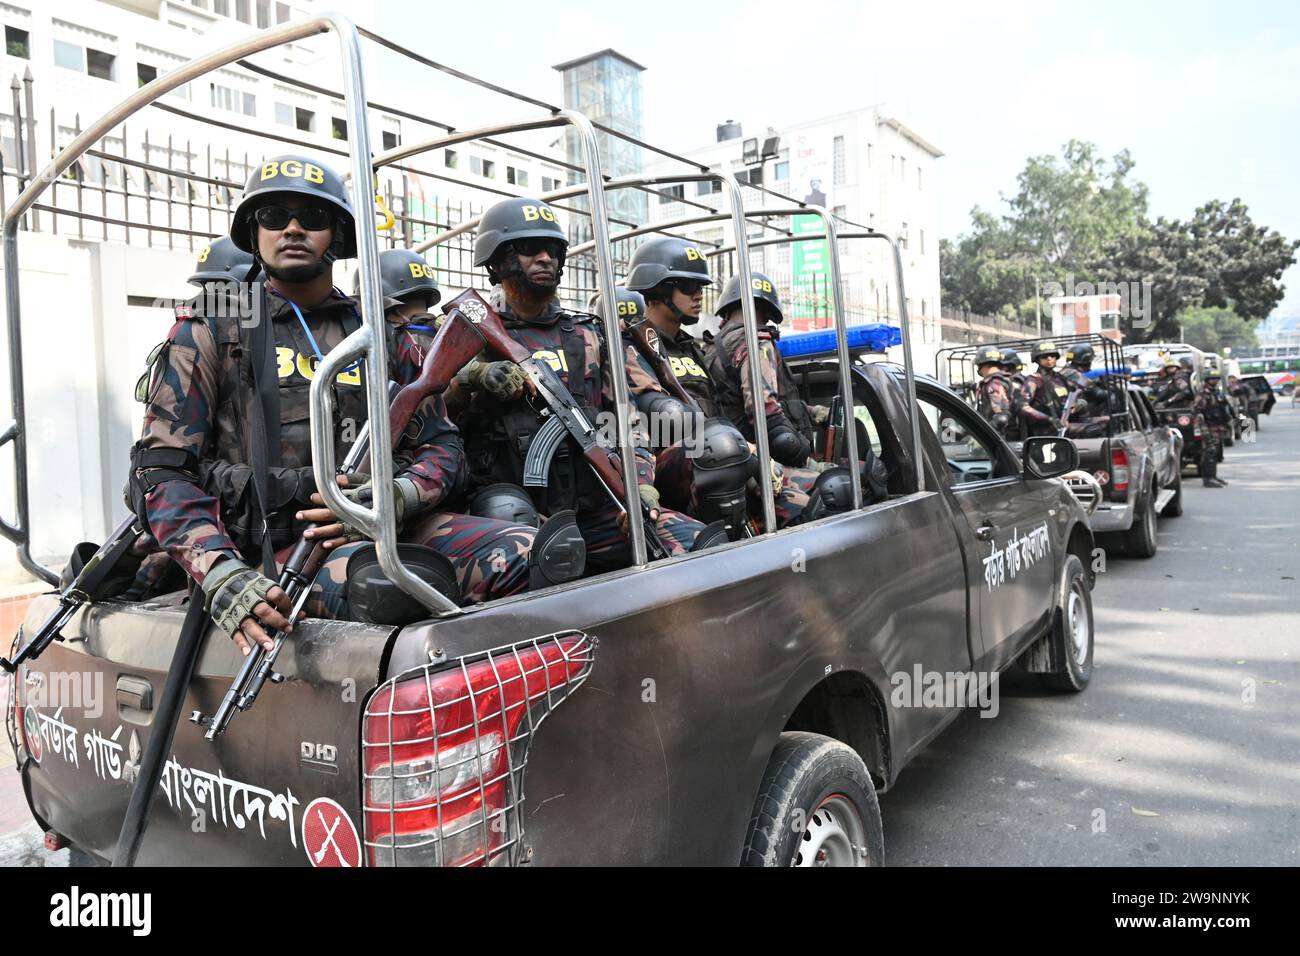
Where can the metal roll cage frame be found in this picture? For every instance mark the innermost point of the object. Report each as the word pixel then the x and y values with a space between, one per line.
pixel 368 342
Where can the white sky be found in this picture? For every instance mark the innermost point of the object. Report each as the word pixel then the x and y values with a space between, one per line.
pixel 1203 94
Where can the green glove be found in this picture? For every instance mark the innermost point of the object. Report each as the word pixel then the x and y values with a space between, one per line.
pixel 232 590
pixel 501 380
pixel 649 497
pixel 820 414
pixel 406 500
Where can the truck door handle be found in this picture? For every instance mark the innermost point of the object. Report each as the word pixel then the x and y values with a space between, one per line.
pixel 135 693
pixel 985 532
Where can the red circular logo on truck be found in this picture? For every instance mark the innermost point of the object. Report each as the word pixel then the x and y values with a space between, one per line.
pixel 329 836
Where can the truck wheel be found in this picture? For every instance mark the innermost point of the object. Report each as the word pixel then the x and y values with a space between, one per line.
pixel 1140 540
pixel 815 807
pixel 1175 506
pixel 1072 634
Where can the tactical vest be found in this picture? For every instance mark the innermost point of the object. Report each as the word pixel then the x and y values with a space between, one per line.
pixel 294 365
pixel 1214 408
pixel 498 434
pixel 690 364
pixel 1049 398
pixel 984 401
pixel 731 398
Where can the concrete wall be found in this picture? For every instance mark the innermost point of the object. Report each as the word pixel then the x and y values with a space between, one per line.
pixel 84 346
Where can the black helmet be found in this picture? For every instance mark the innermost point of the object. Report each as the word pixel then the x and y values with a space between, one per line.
pixel 222 261
pixel 1045 347
pixel 403 275
pixel 666 257
pixel 631 305
pixel 764 291
pixel 513 219
pixel 302 176
pixel 989 355
pixel 1011 359
pixel 1186 362
pixel 1081 354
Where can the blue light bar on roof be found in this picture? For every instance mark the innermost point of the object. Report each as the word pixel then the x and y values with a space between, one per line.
pixel 875 337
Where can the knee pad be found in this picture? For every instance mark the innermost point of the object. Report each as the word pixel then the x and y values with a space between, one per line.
pixel 505 502
pixel 373 599
pixel 831 493
pixel 722 468
pixel 559 552
pixel 786 445
pixel 670 421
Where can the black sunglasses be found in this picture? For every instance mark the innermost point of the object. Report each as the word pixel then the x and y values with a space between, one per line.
pixel 311 218
pixel 688 286
pixel 535 246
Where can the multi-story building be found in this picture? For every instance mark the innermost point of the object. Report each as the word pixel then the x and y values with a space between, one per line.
pixel 866 167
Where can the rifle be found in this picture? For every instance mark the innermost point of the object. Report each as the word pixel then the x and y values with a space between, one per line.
pixel 456 343
pixel 832 429
pixel 88 586
pixel 564 416
pixel 645 339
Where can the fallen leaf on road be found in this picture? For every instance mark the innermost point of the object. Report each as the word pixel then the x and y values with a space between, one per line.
pixel 1163 609
pixel 1241 662
pixel 1143 813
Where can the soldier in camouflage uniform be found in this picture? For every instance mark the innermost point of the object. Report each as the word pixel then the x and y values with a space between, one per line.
pixel 1014 369
pixel 993 394
pixel 1178 391
pixel 1217 415
pixel 522 246
pixel 1045 392
pixel 226 433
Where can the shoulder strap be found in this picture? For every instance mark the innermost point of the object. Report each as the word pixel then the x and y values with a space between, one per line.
pixel 264 444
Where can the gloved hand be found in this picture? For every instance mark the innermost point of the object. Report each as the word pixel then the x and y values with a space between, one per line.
pixel 820 414
pixel 406 498
pixel 778 478
pixel 501 380
pixel 649 497
pixel 245 603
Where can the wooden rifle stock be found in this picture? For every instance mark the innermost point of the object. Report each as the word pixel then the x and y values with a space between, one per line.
pixel 645 339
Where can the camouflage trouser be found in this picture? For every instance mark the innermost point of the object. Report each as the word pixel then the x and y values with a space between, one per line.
pixel 1212 437
pixel 674 480
pixel 490 559
pixel 608 547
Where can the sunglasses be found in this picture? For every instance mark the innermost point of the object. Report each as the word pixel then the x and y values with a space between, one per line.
pixel 688 286
pixel 533 247
pixel 311 218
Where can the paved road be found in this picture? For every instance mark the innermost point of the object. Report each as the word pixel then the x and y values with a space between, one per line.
pixel 1168 725
pixel 1163 729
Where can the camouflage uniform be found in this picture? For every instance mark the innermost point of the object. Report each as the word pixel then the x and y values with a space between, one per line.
pixel 689 361
pixel 498 434
pixel 1217 415
pixel 202 404
pixel 993 400
pixel 1043 398
pixel 1178 393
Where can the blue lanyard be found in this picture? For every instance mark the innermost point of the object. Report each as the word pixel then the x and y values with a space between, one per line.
pixel 311 338
pixel 421 328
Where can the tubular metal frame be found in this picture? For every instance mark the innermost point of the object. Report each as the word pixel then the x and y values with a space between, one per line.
pixel 602 245
pixel 368 341
pixel 832 235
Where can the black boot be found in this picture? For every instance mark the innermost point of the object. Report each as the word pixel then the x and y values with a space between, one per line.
pixel 1209 471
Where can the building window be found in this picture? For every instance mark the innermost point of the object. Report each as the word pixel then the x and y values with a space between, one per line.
pixel 201 4
pixel 781 171
pixel 707 187
pixel 517 177
pixel 549 185
pixel 69 56
pixel 221 7
pixel 282 13
pixel 18 43
pixel 305 120
pixel 902 167
pixel 482 167
pixel 263 14
pixel 902 237
pixel 284 114
pixel 451 159
pixel 918 180
pixel 672 194
pixel 145 73
pixel 100 64
pixel 391 139
pixel 242 13
pixel 236 101
pixel 338 128
pixel 837 162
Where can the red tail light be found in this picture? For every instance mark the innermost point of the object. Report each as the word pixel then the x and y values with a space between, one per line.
pixel 1118 470
pixel 444 752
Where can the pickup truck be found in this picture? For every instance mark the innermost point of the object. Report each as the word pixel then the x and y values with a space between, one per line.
pixel 1139 468
pixel 743 704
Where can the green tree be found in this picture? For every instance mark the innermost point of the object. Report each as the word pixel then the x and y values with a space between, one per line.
pixel 1216 328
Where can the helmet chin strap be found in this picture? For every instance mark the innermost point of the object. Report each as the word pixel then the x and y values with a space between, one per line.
pixel 301 273
pixel 513 271
pixel 681 317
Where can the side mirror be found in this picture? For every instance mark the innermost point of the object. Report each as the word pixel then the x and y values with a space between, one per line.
pixel 1046 456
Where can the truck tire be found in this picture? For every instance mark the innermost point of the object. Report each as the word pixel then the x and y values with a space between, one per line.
pixel 1140 540
pixel 1174 508
pixel 1072 633
pixel 816 806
